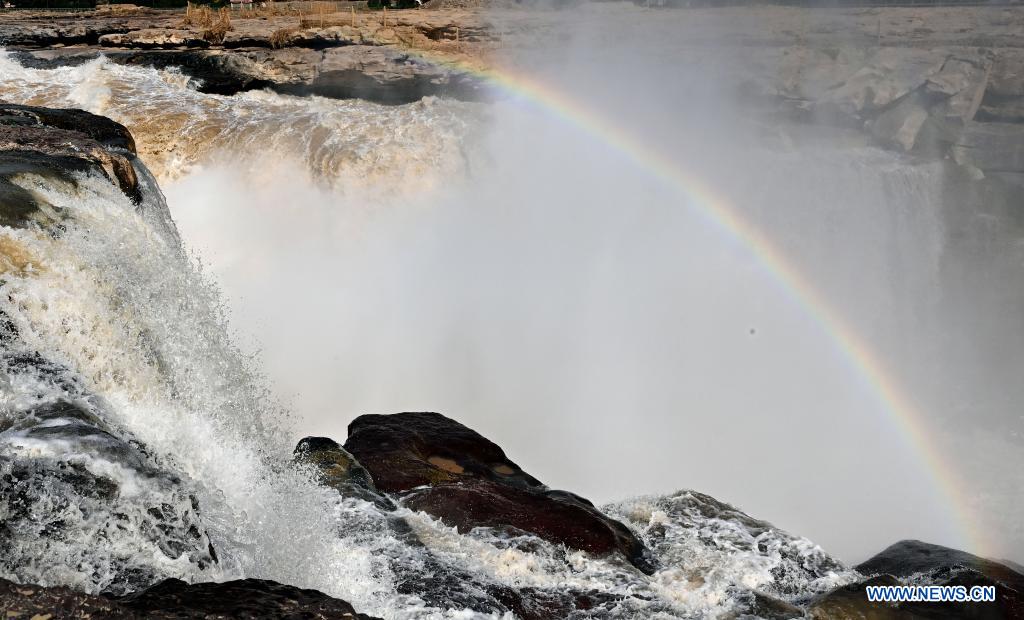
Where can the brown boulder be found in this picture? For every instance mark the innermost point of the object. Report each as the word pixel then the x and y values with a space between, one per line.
pixel 408 450
pixel 552 515
pixel 451 472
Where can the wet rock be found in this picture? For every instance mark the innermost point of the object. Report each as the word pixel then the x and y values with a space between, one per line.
pixel 65 473
pixel 675 525
pixel 769 608
pixel 337 468
pixel 384 74
pixel 444 586
pixel 372 72
pixel 455 474
pixel 54 145
pixel 101 129
pixel 555 517
pixel 246 598
pixel 920 563
pixel 408 450
pixel 910 557
pixel 851 603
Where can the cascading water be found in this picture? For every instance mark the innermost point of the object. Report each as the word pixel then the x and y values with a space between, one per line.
pixel 345 143
pixel 119 376
pixel 137 391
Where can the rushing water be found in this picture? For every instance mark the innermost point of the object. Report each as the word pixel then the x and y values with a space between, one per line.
pixel 135 333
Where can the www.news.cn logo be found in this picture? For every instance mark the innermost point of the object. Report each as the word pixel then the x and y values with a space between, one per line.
pixel 931 594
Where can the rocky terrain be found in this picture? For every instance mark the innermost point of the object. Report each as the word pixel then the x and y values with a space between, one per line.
pixel 935 82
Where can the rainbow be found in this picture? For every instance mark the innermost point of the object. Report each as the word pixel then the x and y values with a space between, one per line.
pixel 853 350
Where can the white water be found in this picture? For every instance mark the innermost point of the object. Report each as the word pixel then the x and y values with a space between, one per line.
pixel 546 294
pixel 114 300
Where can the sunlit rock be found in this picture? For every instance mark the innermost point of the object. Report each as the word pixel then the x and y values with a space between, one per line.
pixel 154 39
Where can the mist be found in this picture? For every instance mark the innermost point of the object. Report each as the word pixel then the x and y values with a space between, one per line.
pixel 588 317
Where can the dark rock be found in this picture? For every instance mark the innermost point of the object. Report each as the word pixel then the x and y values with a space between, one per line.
pixel 32 601
pixel 99 128
pixel 910 557
pixel 54 145
pixel 446 587
pixel 453 473
pixel 926 564
pixel 408 450
pixel 336 468
pixel 437 582
pixel 55 485
pixel 383 74
pixel 555 518
pixel 342 71
pixel 1009 604
pixel 770 608
pixel 851 603
pixel 244 598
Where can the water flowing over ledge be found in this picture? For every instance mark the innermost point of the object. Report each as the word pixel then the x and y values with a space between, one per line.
pixel 136 446
pixel 129 417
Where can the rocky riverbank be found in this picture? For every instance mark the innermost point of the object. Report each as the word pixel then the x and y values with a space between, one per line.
pixel 910 79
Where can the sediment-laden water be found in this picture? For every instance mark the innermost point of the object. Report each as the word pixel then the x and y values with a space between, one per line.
pixel 113 325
